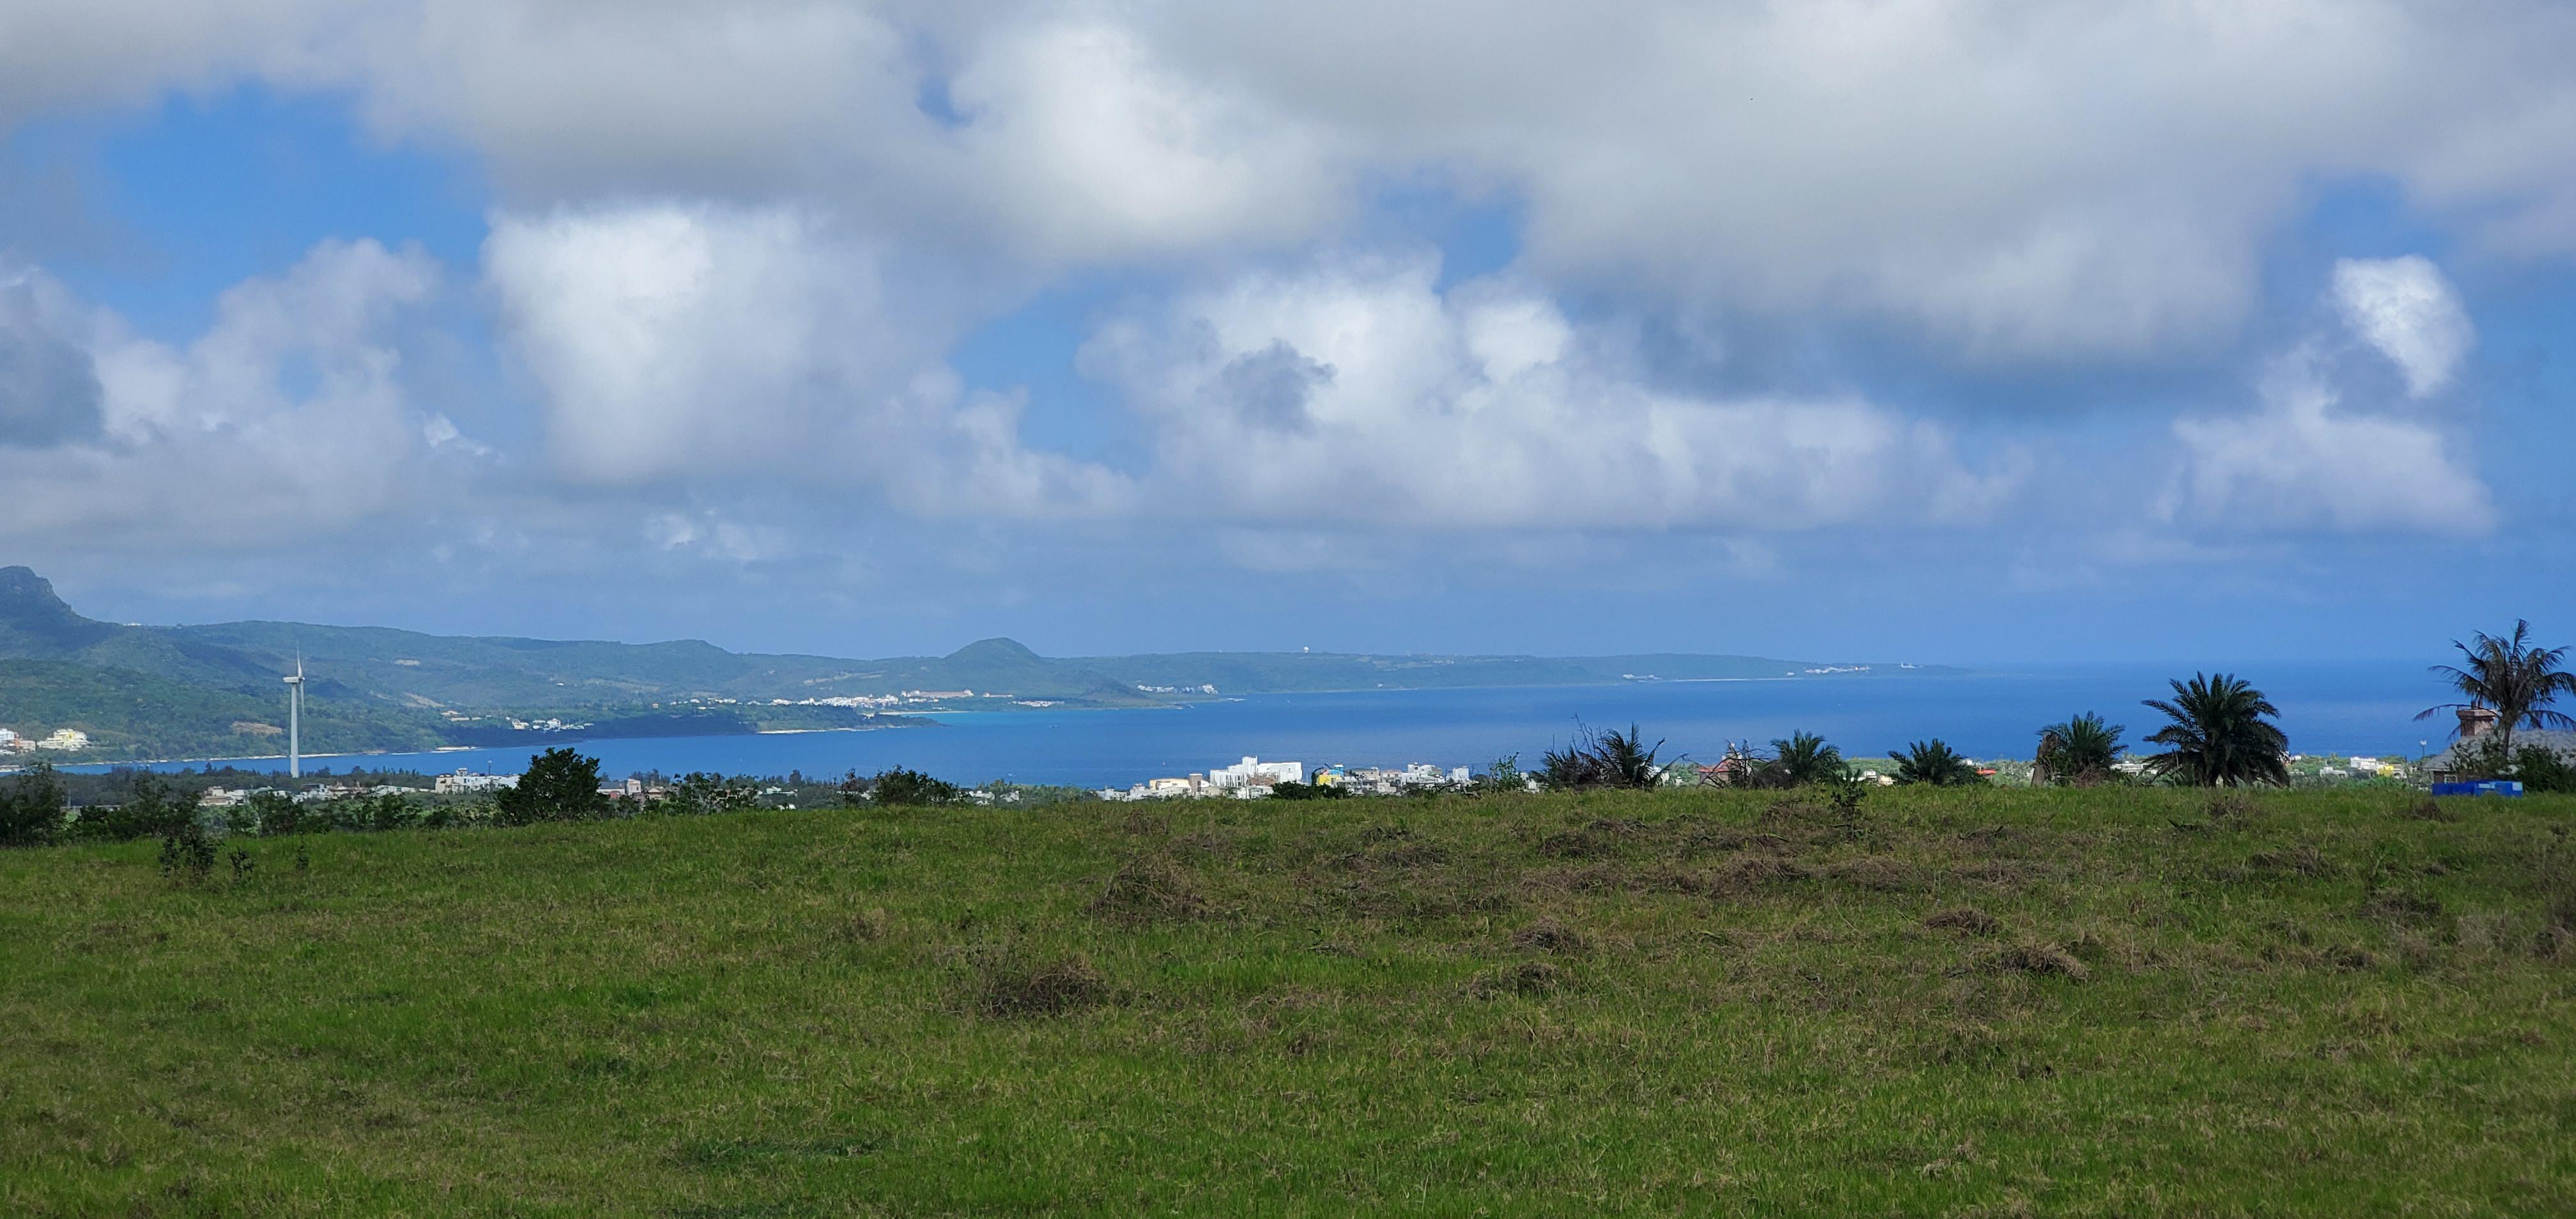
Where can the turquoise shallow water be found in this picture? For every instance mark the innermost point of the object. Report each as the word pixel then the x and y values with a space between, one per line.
pixel 2343 707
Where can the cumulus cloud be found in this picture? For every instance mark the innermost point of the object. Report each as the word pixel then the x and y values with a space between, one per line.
pixel 1356 391
pixel 2303 464
pixel 2010 182
pixel 679 342
pixel 2408 311
pixel 1096 150
pixel 49 391
pixel 287 419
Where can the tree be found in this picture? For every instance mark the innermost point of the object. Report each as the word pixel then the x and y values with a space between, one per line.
pixel 903 786
pixel 2219 736
pixel 150 810
pixel 31 808
pixel 2512 677
pixel 1602 759
pixel 1933 762
pixel 1805 758
pixel 560 786
pixel 2080 750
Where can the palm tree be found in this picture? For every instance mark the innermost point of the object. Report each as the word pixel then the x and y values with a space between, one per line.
pixel 2517 680
pixel 1935 763
pixel 2218 736
pixel 1602 759
pixel 2080 750
pixel 1805 758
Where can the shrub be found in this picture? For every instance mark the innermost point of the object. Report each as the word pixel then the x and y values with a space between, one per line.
pixel 31 808
pixel 905 786
pixel 187 853
pixel 275 813
pixel 1306 791
pixel 150 810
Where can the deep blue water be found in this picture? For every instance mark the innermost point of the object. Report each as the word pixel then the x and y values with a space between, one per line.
pixel 2340 707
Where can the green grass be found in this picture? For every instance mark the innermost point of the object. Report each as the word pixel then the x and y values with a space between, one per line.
pixel 1975 1003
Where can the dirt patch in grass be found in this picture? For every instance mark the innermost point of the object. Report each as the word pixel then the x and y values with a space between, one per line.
pixel 2301 860
pixel 866 926
pixel 2430 809
pixel 1528 979
pixel 2402 906
pixel 1602 836
pixel 1008 987
pixel 1967 919
pixel 1754 873
pixel 1549 935
pixel 1876 873
pixel 1149 889
pixel 2036 957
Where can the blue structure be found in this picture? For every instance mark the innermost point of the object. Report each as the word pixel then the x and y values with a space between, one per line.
pixel 2482 787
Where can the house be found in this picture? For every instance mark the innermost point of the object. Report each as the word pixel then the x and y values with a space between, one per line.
pixel 68 740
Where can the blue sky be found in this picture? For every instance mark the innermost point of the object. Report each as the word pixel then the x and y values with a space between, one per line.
pixel 1946 333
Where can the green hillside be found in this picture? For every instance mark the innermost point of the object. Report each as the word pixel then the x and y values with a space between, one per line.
pixel 1962 1002
pixel 129 714
pixel 180 691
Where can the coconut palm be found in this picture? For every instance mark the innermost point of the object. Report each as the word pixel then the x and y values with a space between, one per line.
pixel 1935 763
pixel 2080 750
pixel 2219 737
pixel 1805 758
pixel 2512 677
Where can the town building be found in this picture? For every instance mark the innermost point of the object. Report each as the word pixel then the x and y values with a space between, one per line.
pixel 464 782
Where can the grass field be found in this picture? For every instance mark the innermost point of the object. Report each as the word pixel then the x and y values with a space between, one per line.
pixel 1989 1002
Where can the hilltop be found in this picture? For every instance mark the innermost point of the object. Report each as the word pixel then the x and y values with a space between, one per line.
pixel 1956 1002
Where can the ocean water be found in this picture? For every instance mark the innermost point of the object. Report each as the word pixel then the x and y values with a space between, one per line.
pixel 2343 707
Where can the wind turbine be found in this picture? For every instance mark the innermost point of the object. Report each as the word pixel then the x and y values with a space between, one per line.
pixel 295 720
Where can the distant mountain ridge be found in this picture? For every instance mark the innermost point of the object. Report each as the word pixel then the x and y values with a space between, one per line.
pixel 382 688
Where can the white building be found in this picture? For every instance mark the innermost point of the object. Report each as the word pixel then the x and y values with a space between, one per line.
pixel 464 781
pixel 1252 772
pixel 69 740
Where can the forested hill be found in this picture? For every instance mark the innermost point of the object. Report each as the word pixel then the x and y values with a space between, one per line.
pixel 186 689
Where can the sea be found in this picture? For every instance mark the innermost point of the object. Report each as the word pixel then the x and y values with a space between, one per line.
pixel 2342 707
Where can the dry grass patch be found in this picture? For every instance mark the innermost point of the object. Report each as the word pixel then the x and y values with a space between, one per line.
pixel 1964 918
pixel 1008 987
pixel 1149 889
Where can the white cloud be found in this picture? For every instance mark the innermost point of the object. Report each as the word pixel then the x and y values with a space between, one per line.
pixel 1355 392
pixel 2407 310
pixel 2009 181
pixel 1092 150
pixel 288 419
pixel 2302 464
pixel 682 343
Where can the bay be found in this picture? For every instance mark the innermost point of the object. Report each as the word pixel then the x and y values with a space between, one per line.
pixel 2326 707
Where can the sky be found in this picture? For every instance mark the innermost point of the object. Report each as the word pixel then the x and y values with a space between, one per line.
pixel 1971 332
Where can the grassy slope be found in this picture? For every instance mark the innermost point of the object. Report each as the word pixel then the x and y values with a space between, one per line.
pixel 2330 1008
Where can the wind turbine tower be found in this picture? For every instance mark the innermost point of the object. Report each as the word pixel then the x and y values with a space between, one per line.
pixel 295 721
